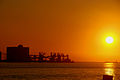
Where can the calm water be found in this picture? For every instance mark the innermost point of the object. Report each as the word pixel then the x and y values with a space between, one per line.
pixel 58 71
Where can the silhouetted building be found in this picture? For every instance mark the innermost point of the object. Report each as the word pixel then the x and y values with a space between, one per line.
pixel 52 57
pixel 58 57
pixel 41 57
pixel 18 54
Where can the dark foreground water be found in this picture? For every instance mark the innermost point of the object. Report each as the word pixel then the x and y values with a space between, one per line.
pixel 58 71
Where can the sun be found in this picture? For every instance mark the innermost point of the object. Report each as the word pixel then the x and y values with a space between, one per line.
pixel 109 40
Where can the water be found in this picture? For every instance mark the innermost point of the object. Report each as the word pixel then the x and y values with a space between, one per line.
pixel 58 71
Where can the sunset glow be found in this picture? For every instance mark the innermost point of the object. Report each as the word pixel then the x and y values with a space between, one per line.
pixel 60 39
pixel 109 40
pixel 86 30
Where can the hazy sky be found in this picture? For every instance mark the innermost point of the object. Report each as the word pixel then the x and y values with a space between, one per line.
pixel 75 27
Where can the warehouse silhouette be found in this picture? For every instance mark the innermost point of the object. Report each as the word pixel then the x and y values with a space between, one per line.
pixel 21 54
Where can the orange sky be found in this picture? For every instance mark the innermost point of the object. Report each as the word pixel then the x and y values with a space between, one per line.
pixel 75 27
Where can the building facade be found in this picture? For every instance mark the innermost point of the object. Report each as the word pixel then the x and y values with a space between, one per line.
pixel 18 54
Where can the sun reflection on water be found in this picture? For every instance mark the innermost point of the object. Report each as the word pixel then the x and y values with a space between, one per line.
pixel 109 69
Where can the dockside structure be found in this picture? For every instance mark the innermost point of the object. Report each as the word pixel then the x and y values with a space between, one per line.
pixel 21 54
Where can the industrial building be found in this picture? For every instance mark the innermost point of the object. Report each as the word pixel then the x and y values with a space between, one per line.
pixel 21 54
pixel 18 54
pixel 53 57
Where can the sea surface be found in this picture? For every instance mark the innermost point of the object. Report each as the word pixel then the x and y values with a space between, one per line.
pixel 58 71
